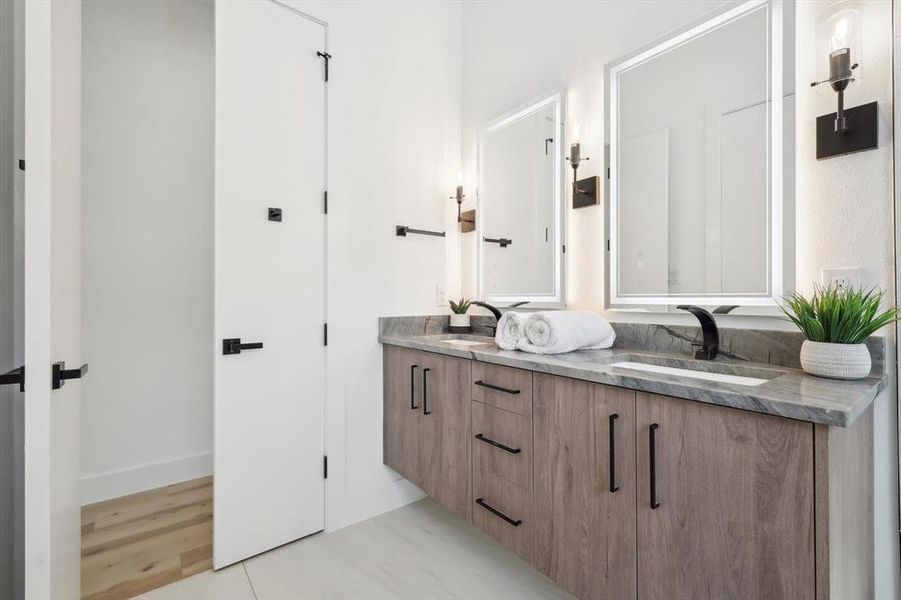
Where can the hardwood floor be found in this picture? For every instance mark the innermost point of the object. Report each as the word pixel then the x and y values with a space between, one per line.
pixel 136 543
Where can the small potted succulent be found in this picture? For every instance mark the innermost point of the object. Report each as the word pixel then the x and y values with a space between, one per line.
pixel 837 322
pixel 459 320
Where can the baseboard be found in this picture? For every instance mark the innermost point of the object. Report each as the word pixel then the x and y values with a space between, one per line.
pixel 113 484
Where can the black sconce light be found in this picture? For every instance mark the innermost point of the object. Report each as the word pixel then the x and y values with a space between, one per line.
pixel 585 191
pixel 467 220
pixel 852 129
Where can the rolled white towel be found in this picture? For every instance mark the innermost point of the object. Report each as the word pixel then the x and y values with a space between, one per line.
pixel 510 329
pixel 556 332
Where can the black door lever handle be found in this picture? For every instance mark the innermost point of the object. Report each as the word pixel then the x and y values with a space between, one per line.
pixel 234 346
pixel 16 376
pixel 61 374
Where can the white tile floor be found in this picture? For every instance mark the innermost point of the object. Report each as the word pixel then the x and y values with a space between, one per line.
pixel 419 551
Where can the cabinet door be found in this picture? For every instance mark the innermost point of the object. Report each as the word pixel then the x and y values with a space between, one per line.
pixel 584 502
pixel 725 502
pixel 445 430
pixel 402 411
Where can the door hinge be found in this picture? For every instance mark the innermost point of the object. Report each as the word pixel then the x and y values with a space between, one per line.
pixel 608 245
pixel 325 334
pixel 564 248
pixel 325 467
pixel 327 57
pixel 325 201
pixel 21 164
pixel 608 172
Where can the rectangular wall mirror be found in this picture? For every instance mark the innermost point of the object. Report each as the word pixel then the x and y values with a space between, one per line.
pixel 520 206
pixel 701 187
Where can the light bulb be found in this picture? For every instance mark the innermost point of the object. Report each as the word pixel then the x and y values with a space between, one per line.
pixel 460 178
pixel 575 132
pixel 842 29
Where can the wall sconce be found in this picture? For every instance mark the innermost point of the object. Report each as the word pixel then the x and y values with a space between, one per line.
pixel 852 129
pixel 585 191
pixel 467 220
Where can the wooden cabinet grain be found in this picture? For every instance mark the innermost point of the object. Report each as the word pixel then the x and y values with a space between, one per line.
pixel 584 532
pixel 624 494
pixel 734 497
pixel 426 424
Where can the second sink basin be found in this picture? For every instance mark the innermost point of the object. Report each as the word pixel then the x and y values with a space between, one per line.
pixel 695 374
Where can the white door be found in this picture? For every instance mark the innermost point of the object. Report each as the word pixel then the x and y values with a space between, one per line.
pixel 270 278
pixel 47 200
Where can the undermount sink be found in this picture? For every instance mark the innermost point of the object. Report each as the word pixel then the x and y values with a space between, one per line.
pixel 693 373
pixel 484 342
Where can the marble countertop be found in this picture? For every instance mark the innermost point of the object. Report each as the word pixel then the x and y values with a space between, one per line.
pixel 787 392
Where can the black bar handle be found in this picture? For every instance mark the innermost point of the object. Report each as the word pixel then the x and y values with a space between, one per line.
pixel 413 387
pixel 498 388
pixel 613 487
pixel 482 438
pixel 481 502
pixel 403 230
pixel 234 346
pixel 425 392
pixel 60 374
pixel 502 242
pixel 14 377
pixel 652 461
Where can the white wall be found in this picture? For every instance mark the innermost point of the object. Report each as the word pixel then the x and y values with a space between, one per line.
pixel 844 210
pixel 147 244
pixel 393 155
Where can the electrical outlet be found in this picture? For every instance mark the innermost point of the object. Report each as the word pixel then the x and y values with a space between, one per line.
pixel 842 278
pixel 440 295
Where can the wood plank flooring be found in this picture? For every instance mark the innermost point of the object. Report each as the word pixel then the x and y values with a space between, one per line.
pixel 136 543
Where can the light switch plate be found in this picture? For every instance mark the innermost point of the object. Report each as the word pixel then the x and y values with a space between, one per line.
pixel 842 277
pixel 440 295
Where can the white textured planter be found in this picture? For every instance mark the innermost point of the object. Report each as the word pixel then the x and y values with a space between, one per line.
pixel 459 320
pixel 836 361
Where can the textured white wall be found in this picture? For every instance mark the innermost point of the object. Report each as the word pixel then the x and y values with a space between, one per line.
pixel 845 219
pixel 393 155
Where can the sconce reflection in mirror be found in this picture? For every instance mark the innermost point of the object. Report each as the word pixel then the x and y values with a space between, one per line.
pixel 585 191
pixel 467 220
pixel 846 130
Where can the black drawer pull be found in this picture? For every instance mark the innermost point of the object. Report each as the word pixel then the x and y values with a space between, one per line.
pixel 613 487
pixel 481 502
pixel 652 461
pixel 413 387
pixel 481 437
pixel 425 392
pixel 496 387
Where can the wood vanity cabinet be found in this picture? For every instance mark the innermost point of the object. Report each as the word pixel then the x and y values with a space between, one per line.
pixel 725 502
pixel 584 448
pixel 427 424
pixel 614 493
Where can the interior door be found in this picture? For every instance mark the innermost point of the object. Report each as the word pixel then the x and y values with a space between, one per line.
pixel 269 278
pixel 41 281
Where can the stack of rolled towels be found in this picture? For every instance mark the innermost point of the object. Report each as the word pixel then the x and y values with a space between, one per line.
pixel 553 332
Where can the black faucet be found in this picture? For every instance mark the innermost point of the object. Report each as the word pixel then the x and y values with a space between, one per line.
pixel 711 345
pixel 496 311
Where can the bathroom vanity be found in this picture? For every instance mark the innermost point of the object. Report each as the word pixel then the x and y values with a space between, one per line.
pixel 618 482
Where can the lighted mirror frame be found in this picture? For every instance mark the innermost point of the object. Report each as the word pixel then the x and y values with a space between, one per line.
pixel 556 299
pixel 775 279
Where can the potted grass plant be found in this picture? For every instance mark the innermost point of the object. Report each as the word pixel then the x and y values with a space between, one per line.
pixel 837 322
pixel 459 320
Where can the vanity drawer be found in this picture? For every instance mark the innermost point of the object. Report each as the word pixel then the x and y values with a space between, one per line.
pixel 503 387
pixel 502 444
pixel 503 510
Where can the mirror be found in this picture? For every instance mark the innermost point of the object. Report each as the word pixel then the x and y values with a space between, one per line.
pixel 701 188
pixel 520 208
